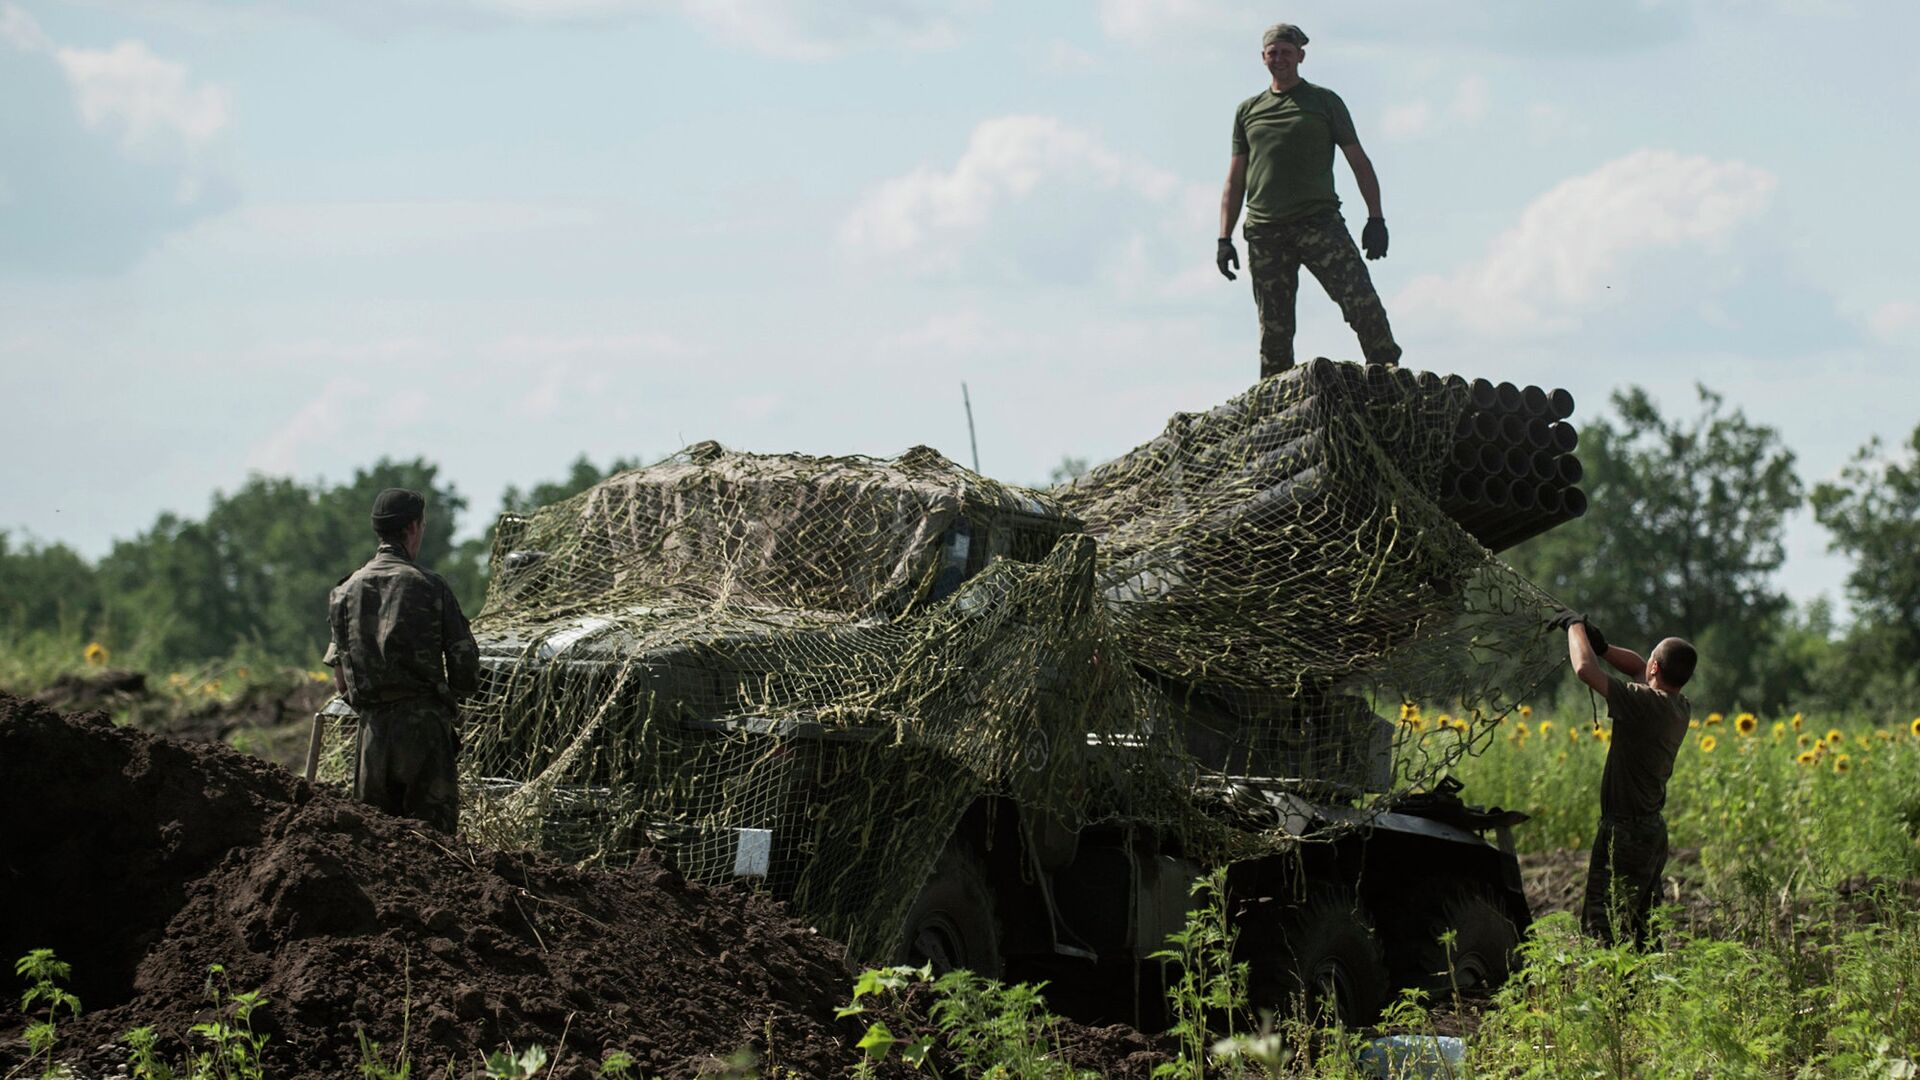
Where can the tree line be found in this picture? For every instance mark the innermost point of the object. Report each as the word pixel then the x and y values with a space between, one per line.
pixel 1686 537
pixel 251 578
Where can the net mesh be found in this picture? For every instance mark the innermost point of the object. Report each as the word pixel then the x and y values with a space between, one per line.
pixel 808 668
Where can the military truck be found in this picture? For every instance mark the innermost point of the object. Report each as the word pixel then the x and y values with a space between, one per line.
pixel 936 714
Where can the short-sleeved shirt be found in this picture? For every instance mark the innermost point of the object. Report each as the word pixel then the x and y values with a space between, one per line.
pixel 397 634
pixel 1648 727
pixel 1288 139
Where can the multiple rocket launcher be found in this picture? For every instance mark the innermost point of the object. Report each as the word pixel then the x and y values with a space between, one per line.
pixel 1512 474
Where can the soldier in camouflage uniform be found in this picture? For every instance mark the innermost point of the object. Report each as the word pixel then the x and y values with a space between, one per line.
pixel 403 657
pixel 1283 140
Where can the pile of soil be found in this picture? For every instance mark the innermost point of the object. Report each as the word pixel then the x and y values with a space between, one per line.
pixel 142 861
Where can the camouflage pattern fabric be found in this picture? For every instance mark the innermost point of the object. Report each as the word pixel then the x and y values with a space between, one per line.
pixel 403 762
pixel 1623 877
pixel 398 634
pixel 1275 253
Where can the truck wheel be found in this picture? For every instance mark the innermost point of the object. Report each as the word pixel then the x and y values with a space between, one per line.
pixel 1324 950
pixel 951 924
pixel 1484 940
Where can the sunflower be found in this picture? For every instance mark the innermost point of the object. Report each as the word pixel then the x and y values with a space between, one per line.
pixel 1841 763
pixel 95 654
pixel 1520 731
pixel 1779 730
pixel 1802 739
pixel 1746 723
pixel 1546 727
pixel 1714 718
pixel 1798 719
pixel 1693 725
pixel 1707 743
pixel 1806 757
pixel 1834 735
pixel 1915 727
pixel 1526 712
pixel 1573 733
pixel 1882 735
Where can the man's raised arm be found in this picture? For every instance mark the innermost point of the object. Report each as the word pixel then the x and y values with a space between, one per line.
pixel 1586 665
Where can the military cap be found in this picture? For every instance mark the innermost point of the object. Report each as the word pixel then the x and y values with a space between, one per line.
pixel 396 508
pixel 1283 31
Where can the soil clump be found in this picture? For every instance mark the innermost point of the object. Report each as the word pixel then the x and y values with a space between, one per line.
pixel 142 861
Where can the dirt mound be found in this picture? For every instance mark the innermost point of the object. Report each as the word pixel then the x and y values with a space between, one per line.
pixel 142 861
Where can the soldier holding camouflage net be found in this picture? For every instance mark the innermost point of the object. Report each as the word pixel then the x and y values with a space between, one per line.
pixel 1283 140
pixel 403 657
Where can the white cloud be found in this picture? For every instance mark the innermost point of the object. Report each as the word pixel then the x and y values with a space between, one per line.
pixel 148 102
pixel 1895 322
pixel 19 30
pixel 1572 246
pixel 1006 160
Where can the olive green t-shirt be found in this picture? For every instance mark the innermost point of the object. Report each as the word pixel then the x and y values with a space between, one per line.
pixel 1288 138
pixel 1648 727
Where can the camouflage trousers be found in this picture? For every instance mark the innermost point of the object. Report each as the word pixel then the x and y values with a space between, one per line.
pixel 1623 877
pixel 404 761
pixel 1322 244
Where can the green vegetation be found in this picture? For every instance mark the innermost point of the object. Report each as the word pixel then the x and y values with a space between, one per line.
pixel 243 587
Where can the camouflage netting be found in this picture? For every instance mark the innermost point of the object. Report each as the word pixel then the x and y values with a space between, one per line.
pixel 848 652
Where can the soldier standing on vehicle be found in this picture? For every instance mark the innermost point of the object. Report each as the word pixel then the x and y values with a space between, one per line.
pixel 1283 140
pixel 403 657
pixel 1650 717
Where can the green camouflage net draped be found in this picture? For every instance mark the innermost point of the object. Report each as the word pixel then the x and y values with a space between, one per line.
pixel 809 668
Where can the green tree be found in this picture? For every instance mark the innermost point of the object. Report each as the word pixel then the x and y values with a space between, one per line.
pixel 46 585
pixel 1684 538
pixel 1873 512
pixel 256 572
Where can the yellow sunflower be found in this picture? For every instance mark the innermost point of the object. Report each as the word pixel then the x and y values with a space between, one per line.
pixel 1546 727
pixel 1714 718
pixel 1526 712
pixel 1841 763
pixel 1798 719
pixel 1707 743
pixel 1693 725
pixel 95 654
pixel 1915 727
pixel 1806 757
pixel 1779 730
pixel 1834 735
pixel 1802 739
pixel 1746 723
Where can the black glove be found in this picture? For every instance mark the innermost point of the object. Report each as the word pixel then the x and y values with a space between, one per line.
pixel 1225 254
pixel 1373 238
pixel 1595 638
pixel 1564 618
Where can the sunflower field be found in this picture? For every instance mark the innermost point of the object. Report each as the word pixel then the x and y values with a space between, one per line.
pixel 1791 918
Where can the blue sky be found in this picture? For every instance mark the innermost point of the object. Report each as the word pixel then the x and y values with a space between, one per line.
pixel 293 237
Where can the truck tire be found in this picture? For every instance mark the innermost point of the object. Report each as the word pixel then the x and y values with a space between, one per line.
pixel 1484 941
pixel 951 924
pixel 1325 947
